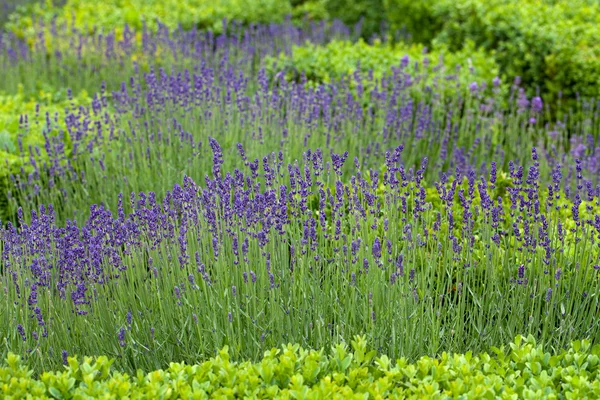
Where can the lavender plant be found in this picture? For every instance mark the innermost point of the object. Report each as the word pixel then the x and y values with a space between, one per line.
pixel 274 253
pixel 150 133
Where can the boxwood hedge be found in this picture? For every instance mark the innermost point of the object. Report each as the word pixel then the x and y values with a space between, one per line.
pixel 524 370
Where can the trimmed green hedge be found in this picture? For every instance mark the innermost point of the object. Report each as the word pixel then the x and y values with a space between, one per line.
pixel 524 371
pixel 553 45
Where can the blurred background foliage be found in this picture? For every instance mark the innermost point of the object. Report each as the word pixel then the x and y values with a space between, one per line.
pixel 552 45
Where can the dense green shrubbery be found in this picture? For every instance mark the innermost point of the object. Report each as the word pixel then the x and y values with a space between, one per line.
pixel 524 371
pixel 416 17
pixel 369 13
pixel 314 10
pixel 338 59
pixel 552 45
pixel 13 107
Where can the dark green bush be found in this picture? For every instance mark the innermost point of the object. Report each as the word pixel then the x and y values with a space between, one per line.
pixel 551 45
pixel 415 17
pixel 371 12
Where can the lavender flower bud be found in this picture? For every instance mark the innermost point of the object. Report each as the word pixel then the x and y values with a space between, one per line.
pixel 21 331
pixel 121 337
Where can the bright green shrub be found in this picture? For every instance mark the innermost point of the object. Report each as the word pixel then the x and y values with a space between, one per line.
pixel 552 45
pixel 342 58
pixel 524 370
pixel 315 10
pixel 12 107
